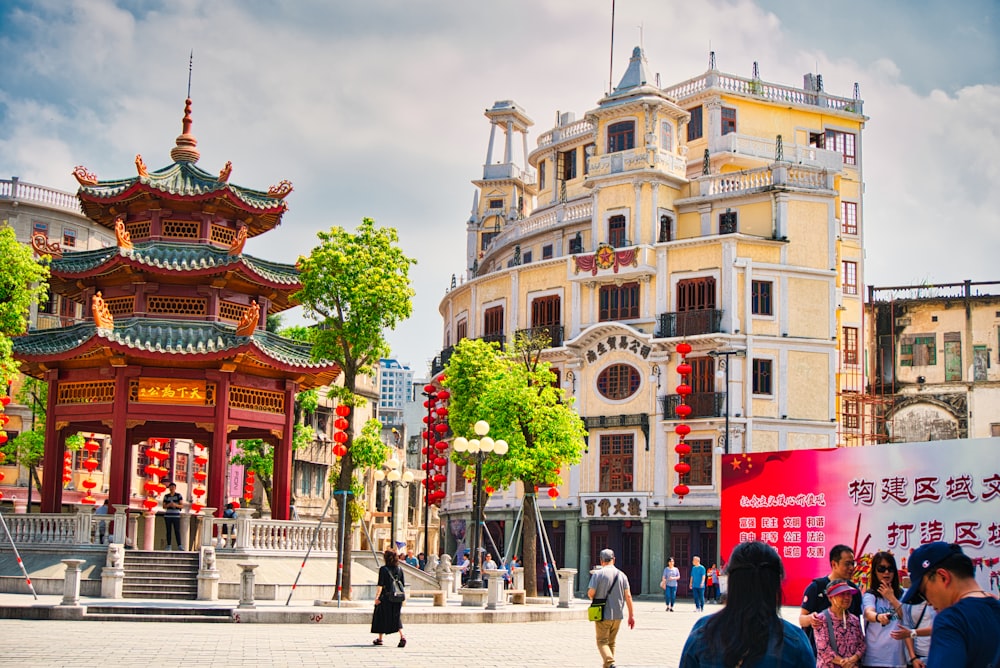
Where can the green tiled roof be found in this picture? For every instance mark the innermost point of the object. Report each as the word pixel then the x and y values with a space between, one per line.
pixel 168 337
pixel 183 179
pixel 171 256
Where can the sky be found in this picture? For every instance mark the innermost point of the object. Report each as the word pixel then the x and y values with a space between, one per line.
pixel 375 108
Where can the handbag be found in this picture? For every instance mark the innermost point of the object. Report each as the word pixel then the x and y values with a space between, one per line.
pixel 397 594
pixel 595 612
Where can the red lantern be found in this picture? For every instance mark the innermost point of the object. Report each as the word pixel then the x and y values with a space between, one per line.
pixel 426 419
pixel 236 504
pixel 200 476
pixel 440 477
pixel 429 389
pixel 682 490
pixel 88 484
pixel 683 410
pixel 89 500
pixel 198 491
pixel 684 369
pixel 5 400
pixel 489 490
pixel 3 437
pixel 553 492
pixel 684 389
pixel 4 419
pixel 91 445
pixel 442 411
pixel 160 488
pixel 151 469
pixel 440 461
pixel 150 486
pixel 444 395
pixel 441 428
pixel 196 507
pixel 683 449
pixel 90 464
pixel 342 410
pixel 340 437
pixel 201 460
pixel 682 429
pixel 440 379
pixel 683 348
pixel 441 445
pixel 683 468
pixel 341 423
pixel 67 477
pixel 149 503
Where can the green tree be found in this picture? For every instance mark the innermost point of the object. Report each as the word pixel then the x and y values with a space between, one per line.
pixel 514 392
pixel 22 281
pixel 355 285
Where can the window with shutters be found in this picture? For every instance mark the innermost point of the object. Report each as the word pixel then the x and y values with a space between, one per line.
pixel 848 217
pixel 616 231
pixel 568 162
pixel 493 321
pixel 694 125
pixel 700 460
pixel 546 311
pixel 461 330
pixel 849 277
pixel 696 294
pixel 617 451
pixel 760 297
pixel 850 345
pixel 619 302
pixel 763 376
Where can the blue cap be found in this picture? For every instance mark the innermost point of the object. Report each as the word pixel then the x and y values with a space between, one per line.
pixel 923 560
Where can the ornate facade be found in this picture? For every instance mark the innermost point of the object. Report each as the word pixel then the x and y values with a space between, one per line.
pixel 721 211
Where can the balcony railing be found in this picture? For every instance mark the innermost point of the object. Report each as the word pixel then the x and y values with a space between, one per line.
pixel 19 191
pixel 703 405
pixel 689 323
pixel 554 333
pixel 762 89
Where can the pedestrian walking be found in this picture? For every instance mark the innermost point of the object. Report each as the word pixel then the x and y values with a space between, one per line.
pixel 388 599
pixel 814 600
pixel 697 583
pixel 967 627
pixel 613 586
pixel 882 612
pixel 671 576
pixel 712 590
pixel 172 504
pixel 748 631
pixel 839 640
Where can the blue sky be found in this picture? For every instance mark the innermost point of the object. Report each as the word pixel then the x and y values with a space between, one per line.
pixel 375 108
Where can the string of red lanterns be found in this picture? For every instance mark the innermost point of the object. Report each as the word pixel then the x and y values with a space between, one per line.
pixel 435 451
pixel 683 410
pixel 91 464
pixel 155 471
pixel 200 475
pixel 248 487
pixel 340 426
pixel 3 434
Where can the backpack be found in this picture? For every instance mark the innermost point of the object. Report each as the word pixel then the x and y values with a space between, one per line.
pixel 396 593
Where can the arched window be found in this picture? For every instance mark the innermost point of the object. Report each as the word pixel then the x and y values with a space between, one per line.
pixel 621 136
pixel 618 381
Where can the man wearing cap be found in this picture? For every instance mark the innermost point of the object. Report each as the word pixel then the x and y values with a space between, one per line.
pixel 815 601
pixel 612 585
pixel 172 504
pixel 967 627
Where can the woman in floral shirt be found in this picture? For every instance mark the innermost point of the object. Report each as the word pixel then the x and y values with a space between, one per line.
pixel 839 640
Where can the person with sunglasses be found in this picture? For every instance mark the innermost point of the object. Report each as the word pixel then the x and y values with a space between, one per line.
pixel 967 627
pixel 882 611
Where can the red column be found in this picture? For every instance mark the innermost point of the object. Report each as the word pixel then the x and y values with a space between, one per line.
pixel 121 448
pixel 52 482
pixel 281 490
pixel 217 451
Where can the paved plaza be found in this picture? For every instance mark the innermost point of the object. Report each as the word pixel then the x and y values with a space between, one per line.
pixel 656 641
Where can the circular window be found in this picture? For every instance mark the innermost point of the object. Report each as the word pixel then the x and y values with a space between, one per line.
pixel 618 381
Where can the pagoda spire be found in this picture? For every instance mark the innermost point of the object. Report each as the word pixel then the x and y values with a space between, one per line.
pixel 186 149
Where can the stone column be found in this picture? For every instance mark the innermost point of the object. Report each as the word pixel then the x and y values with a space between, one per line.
pixel 71 583
pixel 565 576
pixel 206 528
pixel 456 575
pixel 185 532
pixel 84 525
pixel 494 589
pixel 20 505
pixel 132 535
pixel 585 564
pixel 113 573
pixel 148 530
pixel 120 528
pixel 246 585
pixel 244 516
pixel 518 572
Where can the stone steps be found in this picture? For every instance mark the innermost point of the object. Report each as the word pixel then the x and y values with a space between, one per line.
pixel 121 613
pixel 161 575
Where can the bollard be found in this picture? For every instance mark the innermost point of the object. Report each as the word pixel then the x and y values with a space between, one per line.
pixel 71 584
pixel 494 589
pixel 566 576
pixel 518 577
pixel 246 585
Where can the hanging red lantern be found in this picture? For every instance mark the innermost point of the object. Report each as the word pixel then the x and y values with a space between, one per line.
pixel 340 437
pixel 4 419
pixel 342 410
pixel 3 437
pixel 341 423
pixel 683 410
pixel 440 379
pixel 149 503
pixel 90 464
pixel 444 395
pixel 442 411
pixel 684 390
pixel 201 460
pixel 682 490
pixel 683 468
pixel 553 492
pixel 5 401
pixel 196 507
pixel 200 476
pixel 89 500
pixel 683 348
pixel 440 477
pixel 88 484
pixel 198 491
pixel 441 427
pixel 684 369
pixel 441 445
pixel 682 429
pixel 440 461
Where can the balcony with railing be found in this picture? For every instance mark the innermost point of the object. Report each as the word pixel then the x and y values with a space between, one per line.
pixel 509 170
pixel 552 333
pixel 689 323
pixel 764 90
pixel 636 159
pixel 703 405
pixel 566 132
pixel 18 191
pixel 767 149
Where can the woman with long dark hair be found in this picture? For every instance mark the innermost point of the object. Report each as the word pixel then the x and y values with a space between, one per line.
pixel 882 611
pixel 748 632
pixel 386 619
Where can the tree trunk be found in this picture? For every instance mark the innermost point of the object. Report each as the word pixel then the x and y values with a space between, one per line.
pixel 344 521
pixel 529 546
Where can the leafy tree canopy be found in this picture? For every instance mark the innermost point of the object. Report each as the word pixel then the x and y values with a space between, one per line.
pixel 22 281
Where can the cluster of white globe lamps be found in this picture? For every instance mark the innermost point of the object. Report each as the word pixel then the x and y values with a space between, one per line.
pixel 393 475
pixel 483 444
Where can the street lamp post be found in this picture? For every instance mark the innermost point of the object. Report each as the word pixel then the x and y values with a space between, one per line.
pixel 390 472
pixel 480 447
pixel 726 355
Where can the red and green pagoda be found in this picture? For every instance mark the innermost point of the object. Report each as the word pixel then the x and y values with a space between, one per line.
pixel 173 341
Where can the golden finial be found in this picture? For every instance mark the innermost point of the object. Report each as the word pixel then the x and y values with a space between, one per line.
pixel 185 149
pixel 281 190
pixel 122 235
pixel 248 323
pixel 102 316
pixel 140 165
pixel 240 240
pixel 226 171
pixel 83 177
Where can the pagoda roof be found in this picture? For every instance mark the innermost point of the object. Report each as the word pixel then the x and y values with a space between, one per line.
pixel 180 181
pixel 182 344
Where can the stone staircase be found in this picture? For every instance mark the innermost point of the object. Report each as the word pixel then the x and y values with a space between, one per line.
pixel 161 575
pixel 121 613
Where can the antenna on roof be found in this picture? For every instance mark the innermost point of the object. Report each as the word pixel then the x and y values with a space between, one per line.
pixel 611 66
pixel 190 69
pixel 641 45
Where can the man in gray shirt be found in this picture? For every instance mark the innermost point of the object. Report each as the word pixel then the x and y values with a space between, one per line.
pixel 610 583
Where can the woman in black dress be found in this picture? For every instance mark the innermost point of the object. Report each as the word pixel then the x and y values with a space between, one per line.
pixel 386 616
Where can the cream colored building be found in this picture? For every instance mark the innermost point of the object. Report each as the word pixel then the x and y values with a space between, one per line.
pixel 721 211
pixel 935 365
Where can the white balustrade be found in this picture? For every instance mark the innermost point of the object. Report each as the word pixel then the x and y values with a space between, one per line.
pixel 45 528
pixel 20 191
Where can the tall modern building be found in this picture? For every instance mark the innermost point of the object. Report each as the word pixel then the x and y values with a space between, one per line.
pixel 395 381
pixel 721 211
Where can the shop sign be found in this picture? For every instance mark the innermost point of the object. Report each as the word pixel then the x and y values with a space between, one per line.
pixel 171 391
pixel 611 506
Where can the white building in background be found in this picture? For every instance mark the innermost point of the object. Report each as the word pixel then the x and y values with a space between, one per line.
pixel 395 382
